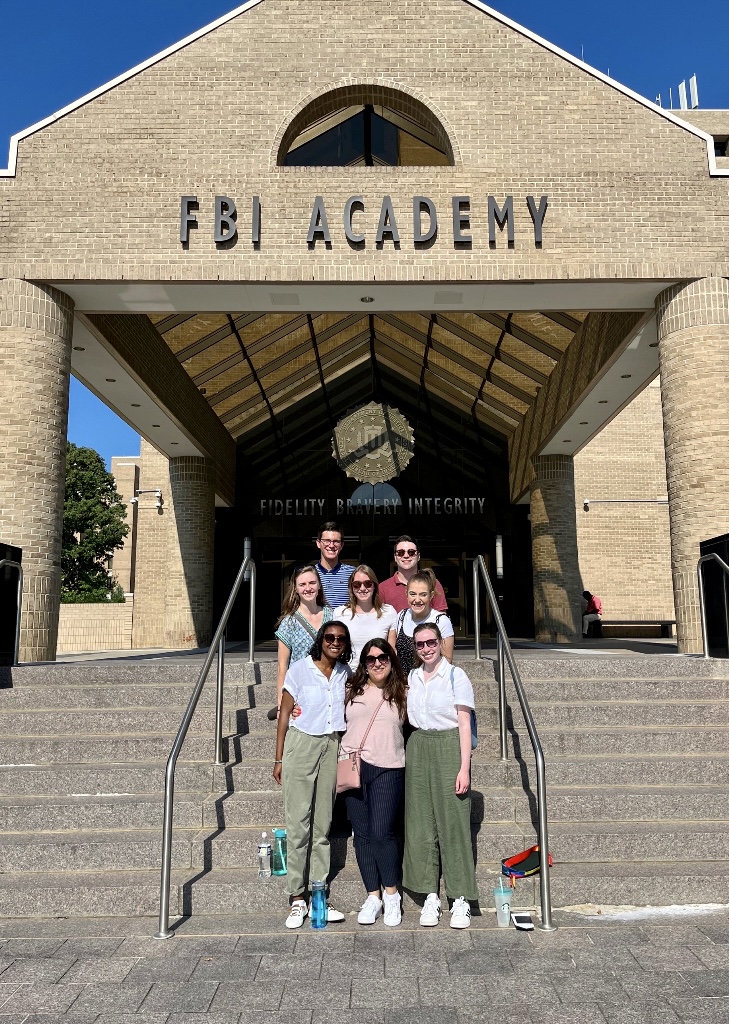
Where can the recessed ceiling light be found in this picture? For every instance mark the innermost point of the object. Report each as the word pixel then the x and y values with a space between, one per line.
pixel 366 298
pixel 79 348
pixel 111 380
pixel 174 442
pixel 567 441
pixel 155 424
pixel 625 376
pixel 653 344
pixel 136 405
pixel 583 423
pixel 603 401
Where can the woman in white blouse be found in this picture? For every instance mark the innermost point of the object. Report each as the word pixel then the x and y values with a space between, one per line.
pixel 365 615
pixel 438 782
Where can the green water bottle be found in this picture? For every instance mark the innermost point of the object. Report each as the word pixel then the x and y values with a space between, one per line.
pixel 279 852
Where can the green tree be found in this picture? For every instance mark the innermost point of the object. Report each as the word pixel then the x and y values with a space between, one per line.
pixel 94 526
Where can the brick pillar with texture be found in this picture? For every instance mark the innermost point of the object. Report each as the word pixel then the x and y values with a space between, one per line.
pixel 557 583
pixel 36 323
pixel 693 334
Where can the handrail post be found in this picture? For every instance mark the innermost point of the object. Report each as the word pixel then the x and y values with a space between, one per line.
pixel 501 669
pixel 252 618
pixel 10 564
pixel 476 613
pixel 712 556
pixel 219 703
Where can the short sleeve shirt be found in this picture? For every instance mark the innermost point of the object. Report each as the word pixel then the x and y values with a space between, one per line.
pixel 297 637
pixel 366 627
pixel 335 584
pixel 321 700
pixel 432 705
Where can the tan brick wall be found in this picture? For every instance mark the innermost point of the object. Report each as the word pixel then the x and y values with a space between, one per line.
pixel 35 360
pixel 95 627
pixel 125 470
pixel 624 549
pixel 557 586
pixel 208 120
pixel 693 332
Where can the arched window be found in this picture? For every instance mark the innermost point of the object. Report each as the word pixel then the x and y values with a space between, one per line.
pixel 365 126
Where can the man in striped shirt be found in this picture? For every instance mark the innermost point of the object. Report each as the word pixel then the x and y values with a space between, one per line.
pixel 334 575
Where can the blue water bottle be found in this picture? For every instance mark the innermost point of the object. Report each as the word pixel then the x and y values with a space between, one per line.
pixel 319 910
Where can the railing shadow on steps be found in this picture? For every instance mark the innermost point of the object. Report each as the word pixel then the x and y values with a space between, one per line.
pixel 504 654
pixel 217 646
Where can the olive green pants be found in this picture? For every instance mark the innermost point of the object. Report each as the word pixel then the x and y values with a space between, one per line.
pixel 437 819
pixel 309 778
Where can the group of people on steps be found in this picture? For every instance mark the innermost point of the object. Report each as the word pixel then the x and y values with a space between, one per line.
pixel 363 666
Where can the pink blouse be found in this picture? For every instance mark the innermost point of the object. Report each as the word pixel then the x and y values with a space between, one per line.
pixel 384 747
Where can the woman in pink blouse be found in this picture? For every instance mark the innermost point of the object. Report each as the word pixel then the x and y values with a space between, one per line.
pixel 376 697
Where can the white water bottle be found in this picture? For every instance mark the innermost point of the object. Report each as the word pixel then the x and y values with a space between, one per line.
pixel 264 857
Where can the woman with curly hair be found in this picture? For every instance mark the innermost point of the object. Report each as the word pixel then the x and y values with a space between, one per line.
pixel 306 761
pixel 375 711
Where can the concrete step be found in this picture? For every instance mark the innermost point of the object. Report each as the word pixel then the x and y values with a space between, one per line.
pixel 104 749
pixel 642 883
pixel 139 779
pixel 85 813
pixel 636 739
pixel 629 803
pixel 607 714
pixel 619 770
pixel 77 698
pixel 660 841
pixel 570 691
pixel 137 721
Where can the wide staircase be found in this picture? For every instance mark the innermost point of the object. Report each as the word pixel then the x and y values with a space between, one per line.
pixel 637 772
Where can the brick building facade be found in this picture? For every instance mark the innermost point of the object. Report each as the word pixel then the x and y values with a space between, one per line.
pixel 579 252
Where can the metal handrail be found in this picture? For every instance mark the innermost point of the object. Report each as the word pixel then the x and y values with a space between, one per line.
pixel 504 651
pixel 217 645
pixel 712 556
pixel 8 563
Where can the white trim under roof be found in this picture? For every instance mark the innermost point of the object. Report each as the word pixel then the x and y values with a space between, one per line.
pixel 714 171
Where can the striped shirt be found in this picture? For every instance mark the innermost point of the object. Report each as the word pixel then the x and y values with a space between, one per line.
pixel 335 584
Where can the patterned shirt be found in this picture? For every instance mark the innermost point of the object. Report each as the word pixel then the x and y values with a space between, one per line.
pixel 297 637
pixel 335 584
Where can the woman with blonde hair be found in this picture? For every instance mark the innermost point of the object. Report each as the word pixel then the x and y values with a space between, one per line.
pixel 421 591
pixel 365 614
pixel 304 611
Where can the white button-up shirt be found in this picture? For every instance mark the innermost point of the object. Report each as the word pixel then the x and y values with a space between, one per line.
pixel 432 705
pixel 321 700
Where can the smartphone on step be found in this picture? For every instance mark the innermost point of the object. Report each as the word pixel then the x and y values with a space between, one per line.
pixel 523 922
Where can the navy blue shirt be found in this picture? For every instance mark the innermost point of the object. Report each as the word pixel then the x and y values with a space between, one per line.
pixel 335 584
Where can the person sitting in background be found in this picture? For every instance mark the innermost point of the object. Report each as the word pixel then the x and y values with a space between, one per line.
pixel 593 612
pixel 365 614
pixel 394 589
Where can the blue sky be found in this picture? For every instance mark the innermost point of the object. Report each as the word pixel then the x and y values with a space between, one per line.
pixel 54 52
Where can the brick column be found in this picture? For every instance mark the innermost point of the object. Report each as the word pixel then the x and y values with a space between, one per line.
pixel 173 596
pixel 36 322
pixel 557 583
pixel 693 333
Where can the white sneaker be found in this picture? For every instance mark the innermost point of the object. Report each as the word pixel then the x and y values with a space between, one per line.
pixel 371 910
pixel 460 913
pixel 297 912
pixel 393 913
pixel 333 915
pixel 430 914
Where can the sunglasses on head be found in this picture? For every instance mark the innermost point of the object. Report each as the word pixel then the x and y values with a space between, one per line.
pixel 406 552
pixel 335 638
pixel 362 584
pixel 377 659
pixel 421 644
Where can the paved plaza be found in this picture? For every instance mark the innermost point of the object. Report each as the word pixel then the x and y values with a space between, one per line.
pixel 216 971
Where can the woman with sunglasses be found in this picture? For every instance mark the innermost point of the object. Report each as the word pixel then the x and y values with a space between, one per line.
pixel 304 610
pixel 375 710
pixel 365 614
pixel 438 782
pixel 306 761
pixel 420 592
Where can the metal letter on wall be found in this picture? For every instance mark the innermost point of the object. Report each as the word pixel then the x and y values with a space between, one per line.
pixel 504 217
pixel 187 217
pixel 538 216
pixel 226 215
pixel 420 204
pixel 461 219
pixel 354 203
pixel 318 225
pixel 388 224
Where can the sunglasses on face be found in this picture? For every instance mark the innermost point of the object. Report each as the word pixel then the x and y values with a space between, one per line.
pixel 422 644
pixel 334 638
pixel 377 659
pixel 406 552
pixel 362 585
